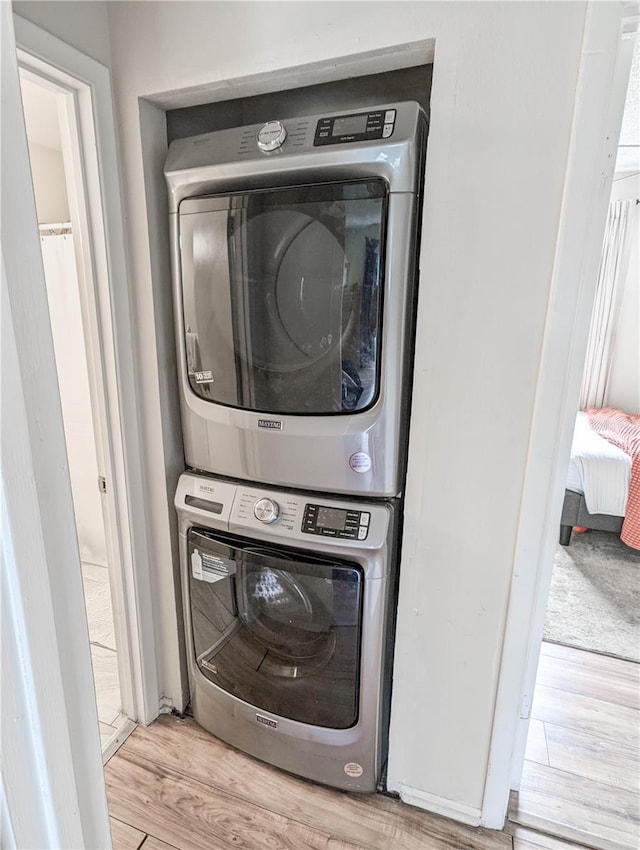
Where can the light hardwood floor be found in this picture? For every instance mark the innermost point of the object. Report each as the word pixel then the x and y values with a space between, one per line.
pixel 172 786
pixel 581 777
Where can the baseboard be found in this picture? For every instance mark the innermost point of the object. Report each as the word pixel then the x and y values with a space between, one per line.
pixel 440 805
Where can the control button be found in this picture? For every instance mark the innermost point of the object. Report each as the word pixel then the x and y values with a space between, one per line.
pixel 387 130
pixel 364 518
pixel 389 116
pixel 362 532
pixel 266 510
pixel 271 136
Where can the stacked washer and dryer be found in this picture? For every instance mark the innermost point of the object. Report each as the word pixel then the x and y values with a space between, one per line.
pixel 294 262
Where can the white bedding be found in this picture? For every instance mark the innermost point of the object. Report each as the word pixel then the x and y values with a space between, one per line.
pixel 598 469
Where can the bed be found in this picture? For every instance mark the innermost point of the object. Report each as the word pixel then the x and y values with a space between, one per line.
pixel 597 483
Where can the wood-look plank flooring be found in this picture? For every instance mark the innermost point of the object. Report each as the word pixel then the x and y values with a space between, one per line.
pixel 173 786
pixel 581 778
pixel 528 839
pixel 175 782
pixel 125 837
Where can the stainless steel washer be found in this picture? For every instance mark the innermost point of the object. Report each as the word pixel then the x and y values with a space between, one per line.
pixel 288 610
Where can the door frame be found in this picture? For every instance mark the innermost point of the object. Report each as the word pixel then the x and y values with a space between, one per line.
pixel 600 94
pixel 52 787
pixel 79 214
pixel 96 210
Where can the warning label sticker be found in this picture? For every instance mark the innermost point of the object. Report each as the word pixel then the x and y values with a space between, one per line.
pixel 208 567
pixel 360 462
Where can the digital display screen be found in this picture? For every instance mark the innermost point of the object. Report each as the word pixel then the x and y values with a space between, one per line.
pixel 331 518
pixel 351 125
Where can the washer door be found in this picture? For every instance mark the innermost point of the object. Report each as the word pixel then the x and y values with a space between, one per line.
pixel 281 296
pixel 289 615
pixel 277 628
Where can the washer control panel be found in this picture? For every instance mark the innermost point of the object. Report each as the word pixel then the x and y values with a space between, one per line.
pixel 282 516
pixel 359 127
pixel 271 136
pixel 266 510
pixel 335 522
pixel 256 508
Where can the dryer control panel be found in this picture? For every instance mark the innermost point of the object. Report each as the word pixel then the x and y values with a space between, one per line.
pixel 359 127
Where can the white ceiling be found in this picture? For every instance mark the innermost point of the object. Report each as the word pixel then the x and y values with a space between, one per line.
pixel 40 115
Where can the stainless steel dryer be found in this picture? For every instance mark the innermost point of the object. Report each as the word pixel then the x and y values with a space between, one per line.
pixel 294 263
pixel 288 609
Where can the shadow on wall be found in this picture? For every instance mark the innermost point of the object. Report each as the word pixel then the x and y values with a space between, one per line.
pixel 371 90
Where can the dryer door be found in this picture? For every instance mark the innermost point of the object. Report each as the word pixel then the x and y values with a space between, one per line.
pixel 281 297
pixel 277 628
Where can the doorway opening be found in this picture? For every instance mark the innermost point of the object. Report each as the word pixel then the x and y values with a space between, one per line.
pixel 58 174
pixel 594 599
pixel 581 773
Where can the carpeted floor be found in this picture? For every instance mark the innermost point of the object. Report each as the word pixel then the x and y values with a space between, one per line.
pixel 594 602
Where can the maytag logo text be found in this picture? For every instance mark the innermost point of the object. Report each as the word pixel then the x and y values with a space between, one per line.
pixel 267 721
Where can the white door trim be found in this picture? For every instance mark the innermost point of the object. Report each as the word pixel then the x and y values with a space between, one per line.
pixel 68 93
pixel 52 785
pixel 111 338
pixel 590 165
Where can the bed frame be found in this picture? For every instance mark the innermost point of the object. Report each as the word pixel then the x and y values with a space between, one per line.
pixel 574 512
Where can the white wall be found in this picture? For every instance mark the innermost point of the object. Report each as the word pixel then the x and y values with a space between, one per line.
pixel 83 25
pixel 52 778
pixel 47 168
pixel 502 104
pixel 624 380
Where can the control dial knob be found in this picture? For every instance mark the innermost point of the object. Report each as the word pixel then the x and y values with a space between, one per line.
pixel 266 510
pixel 271 136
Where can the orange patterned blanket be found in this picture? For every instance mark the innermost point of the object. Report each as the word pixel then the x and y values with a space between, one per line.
pixel 623 430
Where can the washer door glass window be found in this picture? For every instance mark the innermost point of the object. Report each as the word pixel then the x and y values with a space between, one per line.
pixel 282 297
pixel 278 629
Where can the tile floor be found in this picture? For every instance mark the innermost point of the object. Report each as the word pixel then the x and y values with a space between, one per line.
pixel 95 579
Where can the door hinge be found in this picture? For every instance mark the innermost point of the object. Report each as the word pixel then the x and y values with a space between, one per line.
pixel 102 484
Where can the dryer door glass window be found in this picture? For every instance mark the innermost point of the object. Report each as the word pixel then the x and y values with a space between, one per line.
pixel 282 297
pixel 278 629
